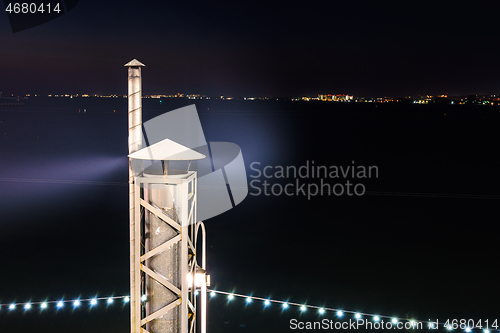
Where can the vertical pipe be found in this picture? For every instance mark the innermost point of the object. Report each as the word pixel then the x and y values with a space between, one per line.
pixel 137 264
pixel 134 144
pixel 184 258
pixel 203 303
pixel 203 316
pixel 147 246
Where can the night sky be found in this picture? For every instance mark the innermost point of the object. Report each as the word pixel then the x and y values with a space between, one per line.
pixel 422 243
pixel 363 48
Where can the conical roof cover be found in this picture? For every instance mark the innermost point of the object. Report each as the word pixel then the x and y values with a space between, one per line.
pixel 135 63
pixel 167 150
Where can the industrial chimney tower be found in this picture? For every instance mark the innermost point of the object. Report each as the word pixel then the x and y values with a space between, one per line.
pixel 164 273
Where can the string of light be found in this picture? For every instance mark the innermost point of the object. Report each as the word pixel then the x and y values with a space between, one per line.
pixel 341 313
pixel 266 302
pixel 62 303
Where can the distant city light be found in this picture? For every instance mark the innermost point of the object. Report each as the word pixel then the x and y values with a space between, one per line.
pixel 339 313
pixel 357 315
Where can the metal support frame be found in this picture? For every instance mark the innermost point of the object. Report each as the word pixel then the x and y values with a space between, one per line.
pixel 186 235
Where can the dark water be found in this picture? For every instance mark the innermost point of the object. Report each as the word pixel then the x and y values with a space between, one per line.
pixel 421 242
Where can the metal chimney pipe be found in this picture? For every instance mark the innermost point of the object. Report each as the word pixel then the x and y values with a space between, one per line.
pixel 134 144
